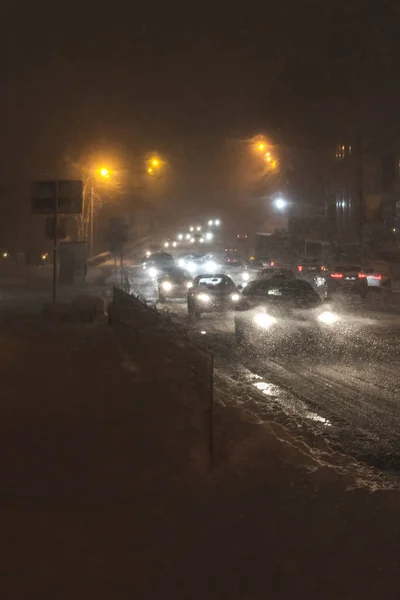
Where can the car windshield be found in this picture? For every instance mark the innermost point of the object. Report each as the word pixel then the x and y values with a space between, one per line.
pixel 176 273
pixel 215 281
pixel 299 292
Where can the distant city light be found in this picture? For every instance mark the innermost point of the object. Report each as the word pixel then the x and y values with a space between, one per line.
pixel 191 228
pixel 192 240
pixel 211 223
pixel 217 222
pixel 188 236
pixel 180 236
pixel 198 228
pixel 166 245
pixel 209 236
pixel 174 244
pixel 201 240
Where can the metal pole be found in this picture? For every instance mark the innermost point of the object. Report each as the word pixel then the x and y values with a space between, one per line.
pixel 210 385
pixel 91 220
pixel 55 232
pixel 121 259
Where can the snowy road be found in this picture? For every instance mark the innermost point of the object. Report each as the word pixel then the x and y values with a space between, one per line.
pixel 350 391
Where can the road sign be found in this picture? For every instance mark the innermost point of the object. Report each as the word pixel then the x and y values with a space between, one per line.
pixel 44 196
pixel 118 234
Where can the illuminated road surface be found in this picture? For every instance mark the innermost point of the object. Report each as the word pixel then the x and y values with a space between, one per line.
pixel 350 391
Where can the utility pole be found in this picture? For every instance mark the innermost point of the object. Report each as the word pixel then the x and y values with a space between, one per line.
pixel 91 220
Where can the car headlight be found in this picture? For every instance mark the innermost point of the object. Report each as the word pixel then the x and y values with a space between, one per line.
pixel 181 263
pixel 235 297
pixel 328 317
pixel 166 286
pixel 191 266
pixel 245 276
pixel 203 297
pixel 189 285
pixel 210 266
pixel 153 272
pixel 263 320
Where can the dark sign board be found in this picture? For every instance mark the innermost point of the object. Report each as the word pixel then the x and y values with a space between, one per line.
pixel 44 195
pixel 118 234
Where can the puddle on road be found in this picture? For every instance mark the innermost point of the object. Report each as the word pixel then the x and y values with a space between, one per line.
pixel 286 400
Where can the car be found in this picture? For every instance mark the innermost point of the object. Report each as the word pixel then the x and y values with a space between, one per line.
pixel 272 313
pixel 157 262
pixel 211 293
pixel 345 279
pixel 275 273
pixel 173 284
pixel 378 275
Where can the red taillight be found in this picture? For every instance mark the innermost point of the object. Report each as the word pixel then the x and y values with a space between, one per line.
pixel 361 276
pixel 300 268
pixel 336 275
pixel 272 263
pixel 377 277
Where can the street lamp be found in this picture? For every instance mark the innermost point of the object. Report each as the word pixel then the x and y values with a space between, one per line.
pixel 217 222
pixel 105 173
pixel 280 203
pixel 88 220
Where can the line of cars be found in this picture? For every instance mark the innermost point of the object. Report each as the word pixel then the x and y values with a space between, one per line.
pixel 277 305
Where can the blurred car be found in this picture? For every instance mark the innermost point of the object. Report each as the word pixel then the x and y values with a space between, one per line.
pixel 275 273
pixel 211 293
pixel 264 261
pixel 157 262
pixel 173 284
pixel 378 275
pixel 275 312
pixel 345 279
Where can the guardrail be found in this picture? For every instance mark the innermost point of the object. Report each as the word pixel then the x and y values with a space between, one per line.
pixel 154 339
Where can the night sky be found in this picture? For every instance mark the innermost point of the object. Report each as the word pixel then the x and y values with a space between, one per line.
pixel 189 75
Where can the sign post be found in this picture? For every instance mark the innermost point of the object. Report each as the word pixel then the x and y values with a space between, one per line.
pixel 55 245
pixel 54 198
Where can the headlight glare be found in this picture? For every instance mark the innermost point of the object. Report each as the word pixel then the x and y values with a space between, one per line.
pixel 166 286
pixel 328 317
pixel 245 276
pixel 153 272
pixel 189 285
pixel 203 297
pixel 264 321
pixel 235 297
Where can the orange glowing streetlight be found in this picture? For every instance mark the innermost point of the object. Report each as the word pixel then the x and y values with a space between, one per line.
pixel 104 172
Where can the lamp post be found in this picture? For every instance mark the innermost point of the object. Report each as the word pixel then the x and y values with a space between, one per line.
pixel 88 225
